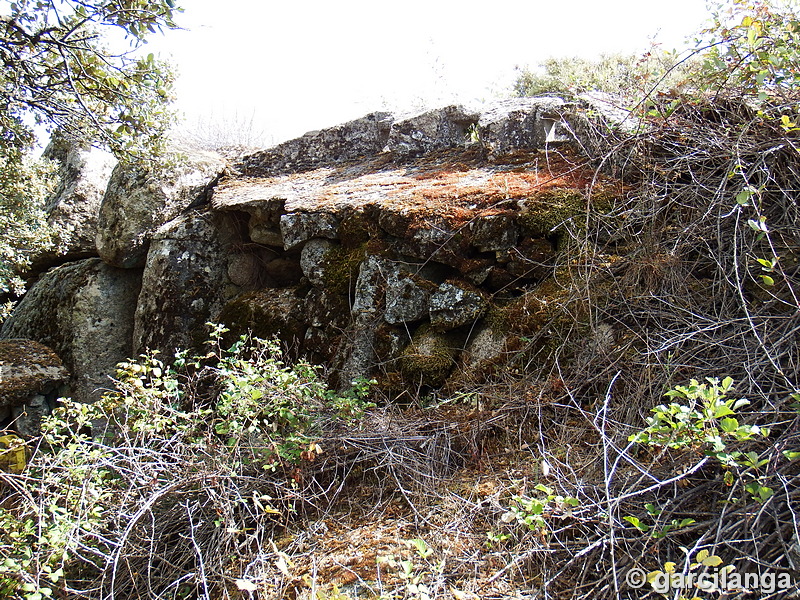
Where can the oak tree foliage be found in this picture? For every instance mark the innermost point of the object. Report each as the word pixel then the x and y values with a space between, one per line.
pixel 73 64
pixel 77 66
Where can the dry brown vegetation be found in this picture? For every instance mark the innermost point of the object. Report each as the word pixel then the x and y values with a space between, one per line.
pixel 661 287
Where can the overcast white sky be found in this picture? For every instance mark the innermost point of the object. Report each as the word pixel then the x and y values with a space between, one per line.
pixel 294 66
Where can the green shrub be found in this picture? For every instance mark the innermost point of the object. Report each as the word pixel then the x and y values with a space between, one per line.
pixel 627 75
pixel 706 421
pixel 24 232
pixel 228 418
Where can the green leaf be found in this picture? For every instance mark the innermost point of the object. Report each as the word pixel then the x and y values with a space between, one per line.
pixel 722 410
pixel 767 264
pixel 637 523
pixel 729 424
pixel 652 509
pixel 711 561
pixel 743 197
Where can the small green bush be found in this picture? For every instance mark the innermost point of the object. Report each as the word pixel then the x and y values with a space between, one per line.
pixel 702 418
pixel 236 416
pixel 626 75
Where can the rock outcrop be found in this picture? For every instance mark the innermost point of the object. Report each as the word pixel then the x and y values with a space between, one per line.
pixel 137 202
pixel 74 205
pixel 83 311
pixel 184 283
pixel 384 247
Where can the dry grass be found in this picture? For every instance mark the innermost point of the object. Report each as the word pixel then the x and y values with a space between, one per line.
pixel 662 288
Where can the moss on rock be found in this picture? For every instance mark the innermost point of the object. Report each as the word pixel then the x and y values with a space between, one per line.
pixel 341 268
pixel 356 230
pixel 266 313
pixel 430 357
pixel 545 211
pixel 542 214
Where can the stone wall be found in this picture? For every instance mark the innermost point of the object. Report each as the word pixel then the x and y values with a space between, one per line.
pixel 385 247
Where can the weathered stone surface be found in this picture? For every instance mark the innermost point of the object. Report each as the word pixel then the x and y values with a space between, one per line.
pixel 372 276
pixel 264 221
pixel 261 233
pixel 439 237
pixel 494 232
pixel 244 269
pixel 184 283
pixel 360 355
pixel 433 198
pixel 267 313
pixel 297 228
pixel 137 203
pixel 406 298
pixel 352 241
pixel 484 348
pixel 74 205
pixel 26 419
pixel 314 260
pixel 361 137
pixel 523 123
pixel 614 110
pixel 530 260
pixel 327 310
pixel 28 368
pixel 446 127
pixel 452 306
pixel 84 312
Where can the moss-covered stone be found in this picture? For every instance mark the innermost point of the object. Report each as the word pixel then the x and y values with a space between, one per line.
pixel 330 266
pixel 390 342
pixel 545 211
pixel 429 359
pixel 528 313
pixel 266 313
pixel 356 230
pixel 341 269
pixel 542 214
